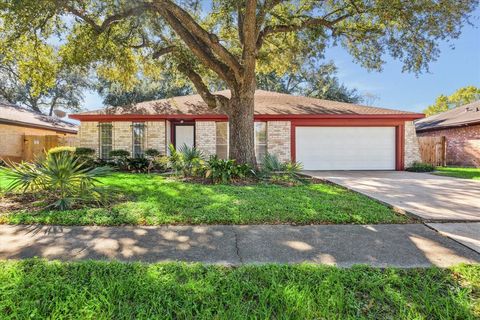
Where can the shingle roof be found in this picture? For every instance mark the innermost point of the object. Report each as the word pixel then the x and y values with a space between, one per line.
pixel 465 115
pixel 13 114
pixel 266 103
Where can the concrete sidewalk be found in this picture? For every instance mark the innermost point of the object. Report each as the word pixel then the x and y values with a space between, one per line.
pixel 412 245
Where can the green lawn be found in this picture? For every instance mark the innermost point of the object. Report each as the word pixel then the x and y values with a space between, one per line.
pixel 37 289
pixel 157 200
pixel 459 172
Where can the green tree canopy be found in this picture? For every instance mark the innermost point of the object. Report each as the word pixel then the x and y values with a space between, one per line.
pixel 317 81
pixel 227 41
pixel 459 98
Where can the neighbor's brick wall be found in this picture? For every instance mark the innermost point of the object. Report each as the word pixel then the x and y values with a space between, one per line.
pixel 412 151
pixel 278 139
pixel 11 139
pixel 88 135
pixel 206 137
pixel 463 145
pixel 155 136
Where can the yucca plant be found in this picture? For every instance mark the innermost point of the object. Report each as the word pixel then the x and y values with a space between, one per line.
pixel 273 169
pixel 61 179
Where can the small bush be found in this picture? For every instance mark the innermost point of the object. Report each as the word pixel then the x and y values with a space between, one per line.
pixel 152 153
pixel 60 180
pixel 160 163
pixel 119 154
pixel 63 149
pixel 421 167
pixel 84 152
pixel 137 164
pixel 224 171
pixel 188 162
pixel 280 172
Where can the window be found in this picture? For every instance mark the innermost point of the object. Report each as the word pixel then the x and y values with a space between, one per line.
pixel 138 135
pixel 222 140
pixel 105 139
pixel 260 140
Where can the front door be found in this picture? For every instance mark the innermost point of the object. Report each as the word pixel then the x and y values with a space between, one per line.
pixel 184 135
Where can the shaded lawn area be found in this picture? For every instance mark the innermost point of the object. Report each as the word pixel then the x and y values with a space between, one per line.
pixel 157 200
pixel 459 172
pixel 38 289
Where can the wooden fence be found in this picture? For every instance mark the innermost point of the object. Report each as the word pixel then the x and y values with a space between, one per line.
pixel 35 146
pixel 433 150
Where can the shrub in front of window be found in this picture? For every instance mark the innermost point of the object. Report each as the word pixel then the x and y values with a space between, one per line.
pixel 85 152
pixel 187 161
pixel 60 180
pixel 120 158
pixel 421 167
pixel 225 171
pixel 152 153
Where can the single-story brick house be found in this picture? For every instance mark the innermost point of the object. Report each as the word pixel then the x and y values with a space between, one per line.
pixel 321 134
pixel 461 128
pixel 18 124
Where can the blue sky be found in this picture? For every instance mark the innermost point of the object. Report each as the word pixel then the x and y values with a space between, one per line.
pixel 455 68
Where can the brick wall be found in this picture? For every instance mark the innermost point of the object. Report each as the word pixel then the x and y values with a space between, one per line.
pixel 411 152
pixel 278 139
pixel 155 136
pixel 463 145
pixel 88 135
pixel 122 135
pixel 206 137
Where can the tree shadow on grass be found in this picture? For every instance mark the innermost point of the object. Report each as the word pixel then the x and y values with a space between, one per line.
pixel 113 290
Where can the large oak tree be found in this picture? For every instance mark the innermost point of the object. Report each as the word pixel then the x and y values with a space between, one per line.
pixel 230 41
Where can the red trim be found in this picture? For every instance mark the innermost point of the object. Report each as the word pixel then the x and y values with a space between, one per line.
pixel 398 124
pixel 219 117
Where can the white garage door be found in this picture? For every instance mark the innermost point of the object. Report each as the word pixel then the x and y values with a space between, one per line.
pixel 346 148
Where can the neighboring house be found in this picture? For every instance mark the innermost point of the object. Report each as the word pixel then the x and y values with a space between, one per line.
pixel 461 129
pixel 17 123
pixel 321 134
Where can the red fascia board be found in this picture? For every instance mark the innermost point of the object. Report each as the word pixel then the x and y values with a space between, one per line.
pixel 219 117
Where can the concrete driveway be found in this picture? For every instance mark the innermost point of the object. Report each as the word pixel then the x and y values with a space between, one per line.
pixel 431 198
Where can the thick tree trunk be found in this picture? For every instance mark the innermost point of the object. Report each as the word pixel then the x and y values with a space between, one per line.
pixel 242 145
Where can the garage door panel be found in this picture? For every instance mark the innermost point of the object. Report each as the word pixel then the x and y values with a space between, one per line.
pixel 346 148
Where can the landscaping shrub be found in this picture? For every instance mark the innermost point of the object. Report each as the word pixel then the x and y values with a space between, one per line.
pixel 59 180
pixel 140 164
pixel 62 149
pixel 85 152
pixel 152 153
pixel 274 170
pixel 120 158
pixel 188 162
pixel 421 167
pixel 224 171
pixel 119 154
pixel 160 163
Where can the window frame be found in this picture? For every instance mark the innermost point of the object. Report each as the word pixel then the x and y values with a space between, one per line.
pixel 227 143
pixel 101 140
pixel 263 144
pixel 142 126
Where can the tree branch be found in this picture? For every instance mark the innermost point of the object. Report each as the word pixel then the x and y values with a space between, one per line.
pixel 209 39
pixel 308 23
pixel 201 51
pixel 108 21
pixel 212 100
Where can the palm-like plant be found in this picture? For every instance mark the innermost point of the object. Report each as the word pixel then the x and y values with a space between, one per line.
pixel 271 166
pixel 61 179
